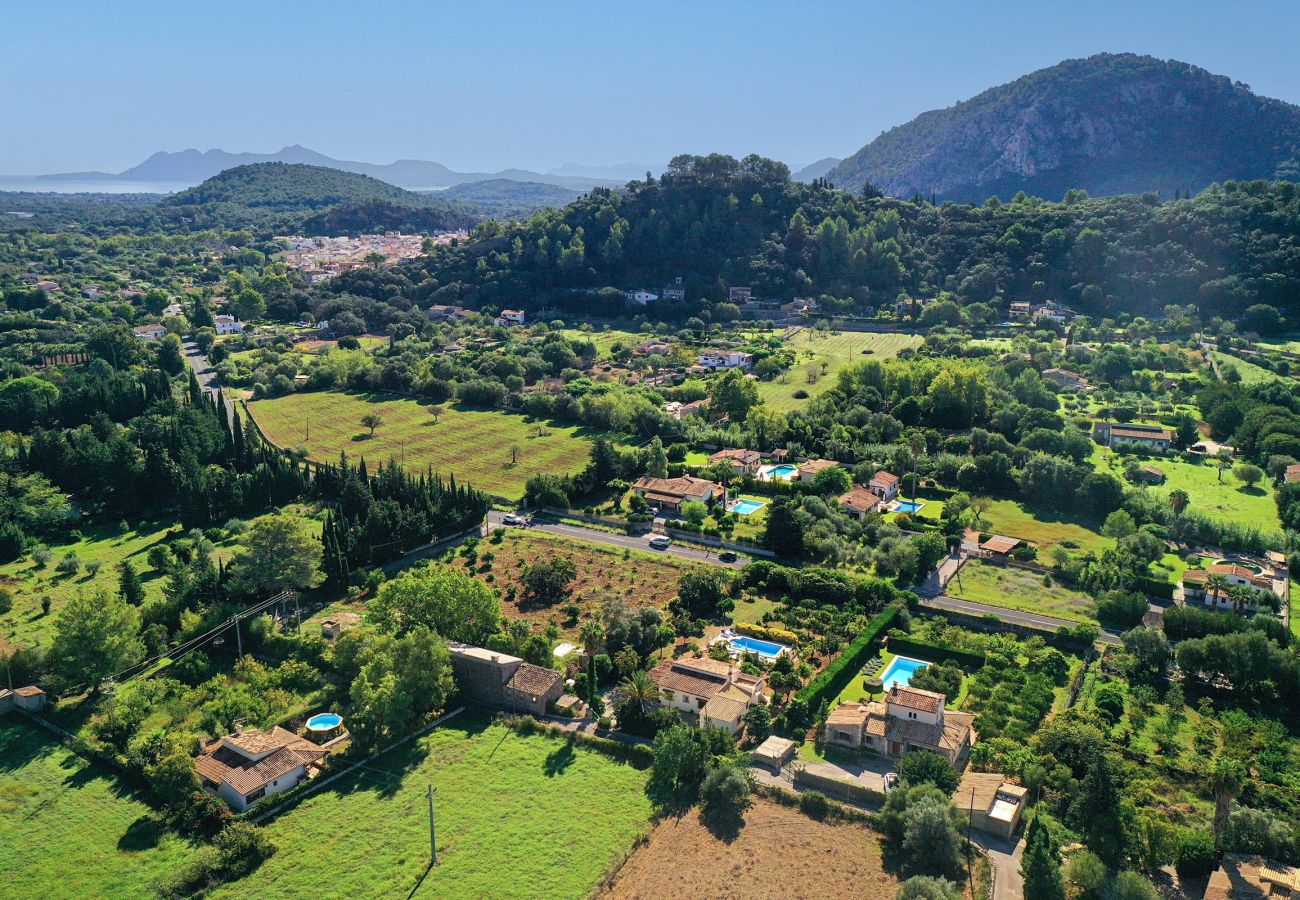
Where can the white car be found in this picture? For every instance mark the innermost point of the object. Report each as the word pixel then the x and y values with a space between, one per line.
pixel 660 542
pixel 515 519
pixel 891 781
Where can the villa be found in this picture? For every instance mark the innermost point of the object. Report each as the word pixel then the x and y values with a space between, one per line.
pixel 859 501
pixel 1150 436
pixel 742 462
pixel 908 719
pixel 1236 575
pixel 510 317
pixel 718 692
pixel 1020 310
pixel 885 484
pixel 726 359
pixel 640 297
pixel 227 325
pixel 244 767
pixel 445 312
pixel 151 332
pixel 808 470
pixel 668 494
pixel 681 411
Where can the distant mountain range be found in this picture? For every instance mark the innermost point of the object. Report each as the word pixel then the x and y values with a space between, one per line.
pixel 1110 124
pixel 816 170
pixel 196 166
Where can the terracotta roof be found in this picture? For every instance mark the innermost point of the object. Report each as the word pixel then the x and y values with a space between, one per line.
pixel 816 465
pixel 533 680
pixel 948 736
pixel 986 786
pixel 1157 434
pixel 221 763
pixel 1000 544
pixel 1235 571
pixel 30 690
pixel 915 698
pixel 703 677
pixel 724 709
pixel 744 456
pixel 885 478
pixel 860 499
pixel 1292 473
pixel 254 742
pixel 677 488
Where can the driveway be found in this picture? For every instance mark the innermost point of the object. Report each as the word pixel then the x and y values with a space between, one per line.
pixel 1004 855
pixel 203 373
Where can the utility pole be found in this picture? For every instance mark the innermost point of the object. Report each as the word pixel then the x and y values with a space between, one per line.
pixel 239 641
pixel 433 840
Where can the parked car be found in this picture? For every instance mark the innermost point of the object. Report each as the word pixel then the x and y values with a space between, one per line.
pixel 727 556
pixel 660 542
pixel 515 519
pixel 891 781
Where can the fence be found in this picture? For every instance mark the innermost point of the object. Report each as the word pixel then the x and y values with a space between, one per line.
pixel 858 794
pixel 692 537
pixel 620 524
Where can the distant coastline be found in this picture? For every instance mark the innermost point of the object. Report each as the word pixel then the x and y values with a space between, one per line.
pixel 89 184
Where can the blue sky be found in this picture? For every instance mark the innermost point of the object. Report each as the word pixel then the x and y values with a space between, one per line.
pixel 483 85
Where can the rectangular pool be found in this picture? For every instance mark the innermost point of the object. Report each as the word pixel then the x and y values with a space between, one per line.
pixel 900 671
pixel 747 507
pixel 768 649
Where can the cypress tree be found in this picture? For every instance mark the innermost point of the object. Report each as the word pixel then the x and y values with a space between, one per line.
pixel 129 584
pixel 1041 864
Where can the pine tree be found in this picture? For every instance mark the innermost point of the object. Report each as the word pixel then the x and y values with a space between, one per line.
pixel 1041 864
pixel 129 584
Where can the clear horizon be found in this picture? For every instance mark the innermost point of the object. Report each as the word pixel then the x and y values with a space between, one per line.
pixel 511 85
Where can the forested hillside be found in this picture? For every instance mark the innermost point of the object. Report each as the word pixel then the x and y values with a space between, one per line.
pixel 1109 124
pixel 716 221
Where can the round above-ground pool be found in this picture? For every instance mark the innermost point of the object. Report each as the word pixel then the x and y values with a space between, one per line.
pixel 324 722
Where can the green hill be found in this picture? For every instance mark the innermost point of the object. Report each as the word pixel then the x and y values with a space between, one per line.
pixel 282 195
pixel 1109 124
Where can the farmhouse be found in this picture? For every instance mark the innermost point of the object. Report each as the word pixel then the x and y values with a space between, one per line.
pixel 1195 583
pixel 151 332
pixel 675 291
pixel 885 484
pixel 498 679
pixel 640 297
pixel 809 468
pixel 227 325
pixel 668 494
pixel 1066 380
pixel 726 359
pixel 654 348
pixel 990 802
pixel 908 719
pixel 446 313
pixel 1149 474
pixel 1152 436
pixel 718 692
pixel 1020 310
pixel 244 767
pixel 739 294
pixel 742 462
pixel 1054 312
pixel 859 501
pixel 910 306
pixel 510 317
pixel 1241 877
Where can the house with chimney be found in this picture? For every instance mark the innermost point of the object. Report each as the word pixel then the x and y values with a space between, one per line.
pixel 885 484
pixel 859 501
pixel 742 462
pixel 716 691
pixel 669 494
pixel 907 719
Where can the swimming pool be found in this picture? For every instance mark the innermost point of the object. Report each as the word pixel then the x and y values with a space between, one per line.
pixel 900 671
pixel 785 470
pixel 324 722
pixel 908 506
pixel 746 507
pixel 768 649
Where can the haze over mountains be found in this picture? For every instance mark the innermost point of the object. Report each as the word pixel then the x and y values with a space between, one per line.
pixel 1110 124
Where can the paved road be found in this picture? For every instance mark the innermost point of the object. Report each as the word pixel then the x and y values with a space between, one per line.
pixel 203 372
pixel 1014 616
pixel 609 538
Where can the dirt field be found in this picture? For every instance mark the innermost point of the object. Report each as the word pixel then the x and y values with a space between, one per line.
pixel 640 579
pixel 780 853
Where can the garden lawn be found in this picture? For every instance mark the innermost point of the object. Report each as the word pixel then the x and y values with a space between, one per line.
pixel 516 816
pixel 834 350
pixel 751 609
pixel 474 445
pixel 1046 529
pixel 1226 500
pixel 68 829
pixel 1020 589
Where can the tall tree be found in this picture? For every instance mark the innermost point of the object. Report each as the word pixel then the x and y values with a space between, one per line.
pixel 448 601
pixel 277 554
pixel 95 637
pixel 1041 863
pixel 1225 781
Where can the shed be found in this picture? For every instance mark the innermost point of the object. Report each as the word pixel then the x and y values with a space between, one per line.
pixel 999 546
pixel 992 803
pixel 30 698
pixel 774 752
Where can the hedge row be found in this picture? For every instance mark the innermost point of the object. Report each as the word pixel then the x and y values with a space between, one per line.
pixel 780 635
pixel 1163 590
pixel 839 673
pixel 935 652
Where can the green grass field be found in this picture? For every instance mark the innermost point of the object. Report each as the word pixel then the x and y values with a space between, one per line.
pixel 516 816
pixel 1020 589
pixel 836 351
pixel 1250 373
pixel 1228 499
pixel 1048 530
pixel 68 829
pixel 605 340
pixel 474 445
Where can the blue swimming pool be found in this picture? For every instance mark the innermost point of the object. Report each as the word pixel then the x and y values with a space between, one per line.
pixel 746 507
pixel 785 470
pixel 900 671
pixel 769 649
pixel 908 506
pixel 324 722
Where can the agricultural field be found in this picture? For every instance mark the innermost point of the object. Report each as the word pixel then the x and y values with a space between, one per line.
pixel 474 445
pixel 1249 372
pixel 605 340
pixel 1228 499
pixel 1048 530
pixel 1020 589
pixel 639 579
pixel 511 810
pixel 834 351
pixel 780 853
pixel 69 829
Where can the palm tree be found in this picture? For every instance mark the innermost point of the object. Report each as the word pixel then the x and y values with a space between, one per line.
pixel 1216 586
pixel 1225 781
pixel 1178 501
pixel 1240 595
pixel 592 636
pixel 639 689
